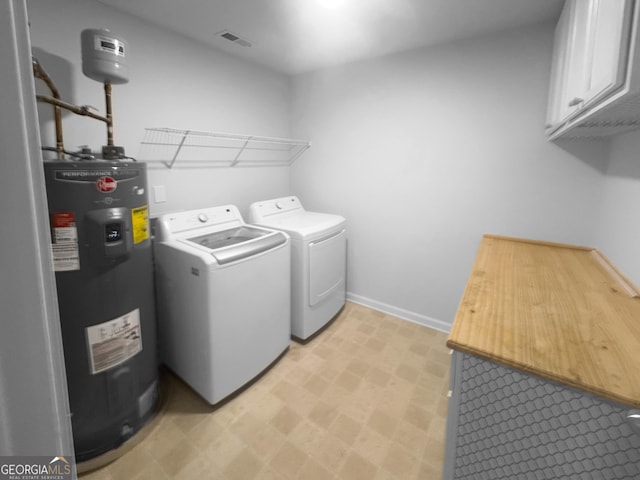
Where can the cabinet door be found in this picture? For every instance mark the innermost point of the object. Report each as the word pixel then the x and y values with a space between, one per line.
pixel 610 23
pixel 559 68
pixel 569 71
pixel 580 26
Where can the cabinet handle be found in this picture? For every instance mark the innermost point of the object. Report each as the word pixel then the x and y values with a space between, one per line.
pixel 633 419
pixel 576 101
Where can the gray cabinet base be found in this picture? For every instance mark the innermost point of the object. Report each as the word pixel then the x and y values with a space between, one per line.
pixel 505 424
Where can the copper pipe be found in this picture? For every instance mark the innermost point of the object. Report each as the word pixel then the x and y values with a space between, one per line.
pixel 39 72
pixel 107 97
pixel 58 104
pixel 83 110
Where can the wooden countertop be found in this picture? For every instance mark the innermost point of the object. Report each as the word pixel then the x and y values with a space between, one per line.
pixel 561 312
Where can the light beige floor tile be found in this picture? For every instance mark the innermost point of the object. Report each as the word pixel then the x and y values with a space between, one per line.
pixel 172 461
pixel 407 372
pixel 205 433
pixel 229 412
pixel 316 384
pixel 288 460
pixel 364 399
pixel 434 452
pixel 426 397
pixel 131 464
pixel 420 348
pixel 356 468
pixel 330 452
pixel 267 407
pixel 300 375
pixel 437 369
pixel 383 423
pixel 438 426
pixel 358 407
pixel 328 371
pixel 348 381
pixel 307 436
pixel 244 466
pixel 419 417
pixel 286 420
pixel 151 471
pixel 198 467
pixel 245 426
pixel 377 376
pixel 372 445
pixel 400 463
pixel 312 470
pixel 429 471
pixel 335 394
pixel 298 399
pixel 165 436
pixel 266 441
pixel 346 428
pixel 323 414
pixel 412 438
pixel 375 344
pixel 224 449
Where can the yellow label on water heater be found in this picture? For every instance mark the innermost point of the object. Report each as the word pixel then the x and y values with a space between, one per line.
pixel 140 223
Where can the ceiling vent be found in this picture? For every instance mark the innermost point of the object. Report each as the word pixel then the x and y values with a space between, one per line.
pixel 232 37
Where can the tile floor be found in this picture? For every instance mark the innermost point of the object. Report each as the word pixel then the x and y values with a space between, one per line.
pixel 365 399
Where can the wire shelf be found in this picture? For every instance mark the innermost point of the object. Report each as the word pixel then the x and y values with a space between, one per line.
pixel 192 148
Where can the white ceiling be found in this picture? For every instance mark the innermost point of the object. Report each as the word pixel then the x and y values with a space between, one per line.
pixel 295 36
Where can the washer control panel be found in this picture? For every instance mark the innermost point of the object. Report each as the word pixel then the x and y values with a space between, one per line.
pixel 223 217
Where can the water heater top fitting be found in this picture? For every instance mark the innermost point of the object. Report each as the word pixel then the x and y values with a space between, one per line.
pixel 104 56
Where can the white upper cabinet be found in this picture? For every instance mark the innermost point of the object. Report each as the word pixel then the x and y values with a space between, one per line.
pixel 609 24
pixel 591 75
pixel 569 61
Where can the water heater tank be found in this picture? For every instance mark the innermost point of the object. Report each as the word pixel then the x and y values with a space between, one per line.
pixel 104 56
pixel 101 247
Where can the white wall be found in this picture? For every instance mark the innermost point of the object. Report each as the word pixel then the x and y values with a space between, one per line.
pixel 619 224
pixel 175 83
pixel 425 151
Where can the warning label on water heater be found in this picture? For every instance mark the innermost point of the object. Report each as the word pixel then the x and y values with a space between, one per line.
pixel 140 223
pixel 114 342
pixel 64 246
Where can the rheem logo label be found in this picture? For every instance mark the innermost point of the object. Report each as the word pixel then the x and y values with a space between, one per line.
pixel 106 184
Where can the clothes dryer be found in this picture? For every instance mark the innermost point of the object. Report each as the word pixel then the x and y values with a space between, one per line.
pixel 318 263
pixel 223 295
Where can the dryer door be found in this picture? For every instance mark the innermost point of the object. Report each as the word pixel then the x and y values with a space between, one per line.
pixel 327 266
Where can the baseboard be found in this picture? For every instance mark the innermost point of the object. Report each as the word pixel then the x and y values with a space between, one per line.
pixel 400 313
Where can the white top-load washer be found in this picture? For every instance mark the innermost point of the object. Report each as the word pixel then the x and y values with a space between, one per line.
pixel 318 265
pixel 223 294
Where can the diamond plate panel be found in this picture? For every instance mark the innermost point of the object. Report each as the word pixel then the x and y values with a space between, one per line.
pixel 516 426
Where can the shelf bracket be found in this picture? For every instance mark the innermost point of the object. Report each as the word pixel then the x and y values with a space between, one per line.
pixel 175 155
pixel 237 159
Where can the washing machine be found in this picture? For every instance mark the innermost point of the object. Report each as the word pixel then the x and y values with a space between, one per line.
pixel 318 260
pixel 223 295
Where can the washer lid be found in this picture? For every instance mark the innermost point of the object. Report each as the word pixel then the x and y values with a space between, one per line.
pixel 237 243
pixel 225 238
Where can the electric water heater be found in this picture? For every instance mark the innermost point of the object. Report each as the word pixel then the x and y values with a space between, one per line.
pixel 103 266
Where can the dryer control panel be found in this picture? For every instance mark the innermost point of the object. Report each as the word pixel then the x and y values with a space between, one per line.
pixel 276 206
